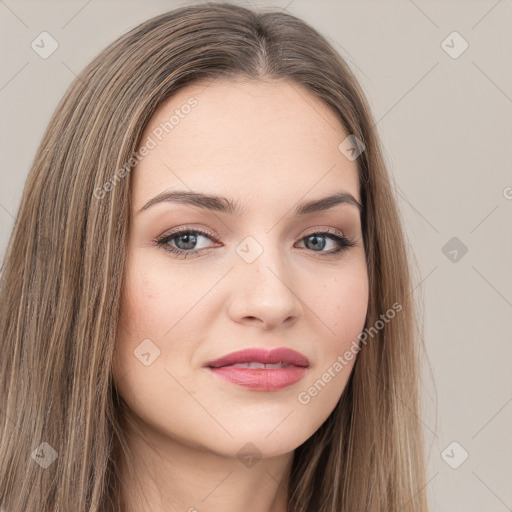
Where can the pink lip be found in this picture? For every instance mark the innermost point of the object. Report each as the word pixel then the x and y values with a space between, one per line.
pixel 261 378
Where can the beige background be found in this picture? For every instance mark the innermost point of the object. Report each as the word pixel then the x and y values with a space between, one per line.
pixel 446 126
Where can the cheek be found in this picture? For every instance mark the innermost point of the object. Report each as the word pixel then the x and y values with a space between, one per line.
pixel 342 304
pixel 156 297
pixel 147 311
pixel 158 304
pixel 351 308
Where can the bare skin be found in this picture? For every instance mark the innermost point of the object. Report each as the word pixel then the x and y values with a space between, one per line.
pixel 268 146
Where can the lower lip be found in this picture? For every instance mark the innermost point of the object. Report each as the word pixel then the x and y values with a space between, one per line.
pixel 260 378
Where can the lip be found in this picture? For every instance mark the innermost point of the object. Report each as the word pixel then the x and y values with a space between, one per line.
pixel 261 355
pixel 261 379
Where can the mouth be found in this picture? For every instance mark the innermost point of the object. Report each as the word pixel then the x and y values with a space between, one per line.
pixel 260 369
pixel 260 356
pixel 264 366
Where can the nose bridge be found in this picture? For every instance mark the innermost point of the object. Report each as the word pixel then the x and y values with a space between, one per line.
pixel 263 287
pixel 263 260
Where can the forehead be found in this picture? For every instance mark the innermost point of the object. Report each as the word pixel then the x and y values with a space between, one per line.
pixel 244 138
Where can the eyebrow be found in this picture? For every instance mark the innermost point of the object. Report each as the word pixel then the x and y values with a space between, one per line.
pixel 225 205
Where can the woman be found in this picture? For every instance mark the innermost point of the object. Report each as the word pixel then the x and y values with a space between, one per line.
pixel 206 301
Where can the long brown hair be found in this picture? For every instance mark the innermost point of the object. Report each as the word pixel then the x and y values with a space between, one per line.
pixel 62 276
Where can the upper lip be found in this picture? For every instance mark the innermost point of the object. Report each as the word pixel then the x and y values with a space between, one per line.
pixel 261 355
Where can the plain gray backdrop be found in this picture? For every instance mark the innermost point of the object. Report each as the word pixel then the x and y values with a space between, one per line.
pixel 438 76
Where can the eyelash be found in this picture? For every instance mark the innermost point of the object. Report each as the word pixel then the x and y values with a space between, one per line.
pixel 163 242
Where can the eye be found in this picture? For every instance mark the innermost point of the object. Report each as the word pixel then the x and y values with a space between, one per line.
pixel 185 239
pixel 185 242
pixel 316 242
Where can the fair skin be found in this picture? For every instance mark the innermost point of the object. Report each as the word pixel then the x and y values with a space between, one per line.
pixel 267 146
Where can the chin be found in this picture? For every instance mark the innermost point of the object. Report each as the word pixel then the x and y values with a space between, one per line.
pixel 263 442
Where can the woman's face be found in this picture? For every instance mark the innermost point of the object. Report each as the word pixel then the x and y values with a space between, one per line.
pixel 254 278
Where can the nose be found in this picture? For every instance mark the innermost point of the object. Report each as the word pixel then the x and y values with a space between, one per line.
pixel 263 294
